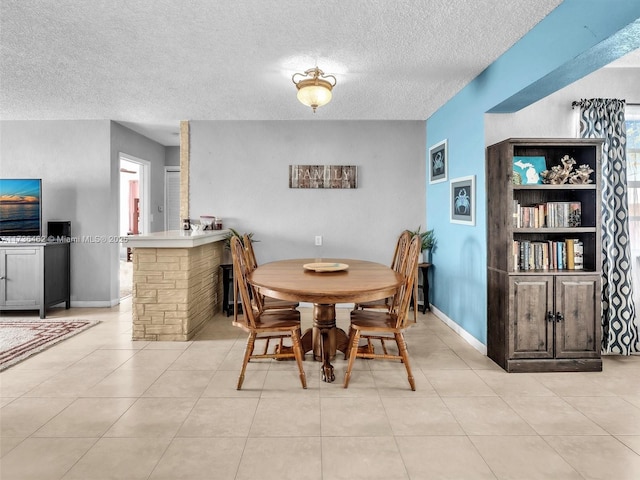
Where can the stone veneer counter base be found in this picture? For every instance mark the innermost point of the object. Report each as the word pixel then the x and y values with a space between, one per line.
pixel 176 283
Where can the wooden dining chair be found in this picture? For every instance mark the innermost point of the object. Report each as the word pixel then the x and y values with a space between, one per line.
pixel 386 325
pixel 266 303
pixel 261 302
pixel 399 254
pixel 264 324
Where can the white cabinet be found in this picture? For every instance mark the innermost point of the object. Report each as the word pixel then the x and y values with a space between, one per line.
pixel 34 276
pixel 19 272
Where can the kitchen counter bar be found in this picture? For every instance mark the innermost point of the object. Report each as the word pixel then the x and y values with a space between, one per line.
pixel 176 284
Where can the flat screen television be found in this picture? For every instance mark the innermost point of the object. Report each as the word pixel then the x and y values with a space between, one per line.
pixel 20 207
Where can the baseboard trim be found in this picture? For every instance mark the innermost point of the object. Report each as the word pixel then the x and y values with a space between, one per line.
pixel 94 304
pixel 466 336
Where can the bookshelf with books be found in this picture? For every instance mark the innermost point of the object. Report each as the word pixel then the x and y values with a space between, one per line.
pixel 543 254
pixel 549 255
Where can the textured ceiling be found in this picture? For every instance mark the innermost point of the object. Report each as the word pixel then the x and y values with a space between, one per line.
pixel 151 63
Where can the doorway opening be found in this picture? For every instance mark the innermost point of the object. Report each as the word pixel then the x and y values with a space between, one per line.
pixel 133 213
pixel 172 198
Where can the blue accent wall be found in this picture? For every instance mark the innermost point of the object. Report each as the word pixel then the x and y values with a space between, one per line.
pixel 575 39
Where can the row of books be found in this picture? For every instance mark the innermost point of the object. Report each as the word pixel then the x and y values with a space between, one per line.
pixel 548 255
pixel 547 215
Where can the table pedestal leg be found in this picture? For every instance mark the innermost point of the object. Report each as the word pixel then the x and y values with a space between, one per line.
pixel 325 338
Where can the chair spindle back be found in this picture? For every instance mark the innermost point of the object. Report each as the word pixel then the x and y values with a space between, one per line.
pixel 402 248
pixel 251 254
pixel 240 272
pixel 409 270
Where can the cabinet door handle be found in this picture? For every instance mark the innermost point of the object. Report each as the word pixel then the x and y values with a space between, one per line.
pixel 559 317
pixel 3 277
pixel 550 316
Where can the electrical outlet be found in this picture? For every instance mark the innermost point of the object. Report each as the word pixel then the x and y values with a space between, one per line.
pixel 318 240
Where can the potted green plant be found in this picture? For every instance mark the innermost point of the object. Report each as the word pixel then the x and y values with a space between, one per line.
pixel 428 242
pixel 227 243
pixel 234 233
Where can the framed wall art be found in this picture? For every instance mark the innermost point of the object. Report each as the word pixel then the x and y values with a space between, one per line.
pixel 462 198
pixel 323 176
pixel 438 162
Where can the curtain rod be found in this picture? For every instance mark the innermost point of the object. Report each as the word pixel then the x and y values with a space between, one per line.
pixel 576 104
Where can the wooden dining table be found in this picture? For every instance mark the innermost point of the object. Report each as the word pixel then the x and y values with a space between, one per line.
pixel 360 281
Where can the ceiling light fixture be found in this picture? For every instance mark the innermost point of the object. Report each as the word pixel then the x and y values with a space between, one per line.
pixel 314 87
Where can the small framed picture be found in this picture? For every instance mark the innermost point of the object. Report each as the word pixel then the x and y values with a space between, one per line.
pixel 462 198
pixel 438 162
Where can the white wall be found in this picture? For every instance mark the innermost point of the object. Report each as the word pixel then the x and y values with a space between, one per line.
pixel 239 170
pixel 553 117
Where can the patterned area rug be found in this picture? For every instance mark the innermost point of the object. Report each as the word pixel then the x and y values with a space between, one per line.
pixel 21 338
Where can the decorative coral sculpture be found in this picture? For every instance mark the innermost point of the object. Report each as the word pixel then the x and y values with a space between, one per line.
pixel 568 162
pixel 559 174
pixel 581 175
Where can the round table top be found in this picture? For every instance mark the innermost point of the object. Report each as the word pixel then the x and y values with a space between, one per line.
pixel 363 281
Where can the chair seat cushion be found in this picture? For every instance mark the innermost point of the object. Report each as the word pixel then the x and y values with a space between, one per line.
pixel 274 303
pixel 371 320
pixel 284 319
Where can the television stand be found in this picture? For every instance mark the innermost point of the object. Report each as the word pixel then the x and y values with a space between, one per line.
pixel 34 276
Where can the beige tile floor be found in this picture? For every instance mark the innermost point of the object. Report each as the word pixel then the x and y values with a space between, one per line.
pixel 100 406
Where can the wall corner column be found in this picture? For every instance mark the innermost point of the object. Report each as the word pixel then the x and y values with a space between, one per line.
pixel 184 169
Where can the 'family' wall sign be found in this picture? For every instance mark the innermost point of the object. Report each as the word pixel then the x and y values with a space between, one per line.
pixel 323 176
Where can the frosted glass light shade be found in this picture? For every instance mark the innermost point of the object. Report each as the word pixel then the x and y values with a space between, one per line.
pixel 315 96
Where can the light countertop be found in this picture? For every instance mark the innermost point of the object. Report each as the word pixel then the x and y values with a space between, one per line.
pixel 174 239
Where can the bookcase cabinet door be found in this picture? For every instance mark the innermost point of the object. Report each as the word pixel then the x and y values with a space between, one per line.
pixel 554 323
pixel 578 329
pixel 531 332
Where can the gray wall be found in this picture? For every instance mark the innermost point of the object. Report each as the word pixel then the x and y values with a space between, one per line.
pixel 78 163
pixel 239 170
pixel 125 140
pixel 72 159
pixel 172 156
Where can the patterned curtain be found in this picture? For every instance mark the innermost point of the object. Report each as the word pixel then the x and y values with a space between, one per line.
pixel 604 118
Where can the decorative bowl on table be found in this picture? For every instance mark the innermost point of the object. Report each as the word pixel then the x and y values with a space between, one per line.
pixel 207 222
pixel 325 266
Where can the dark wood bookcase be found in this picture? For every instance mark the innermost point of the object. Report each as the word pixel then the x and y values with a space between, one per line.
pixel 542 318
